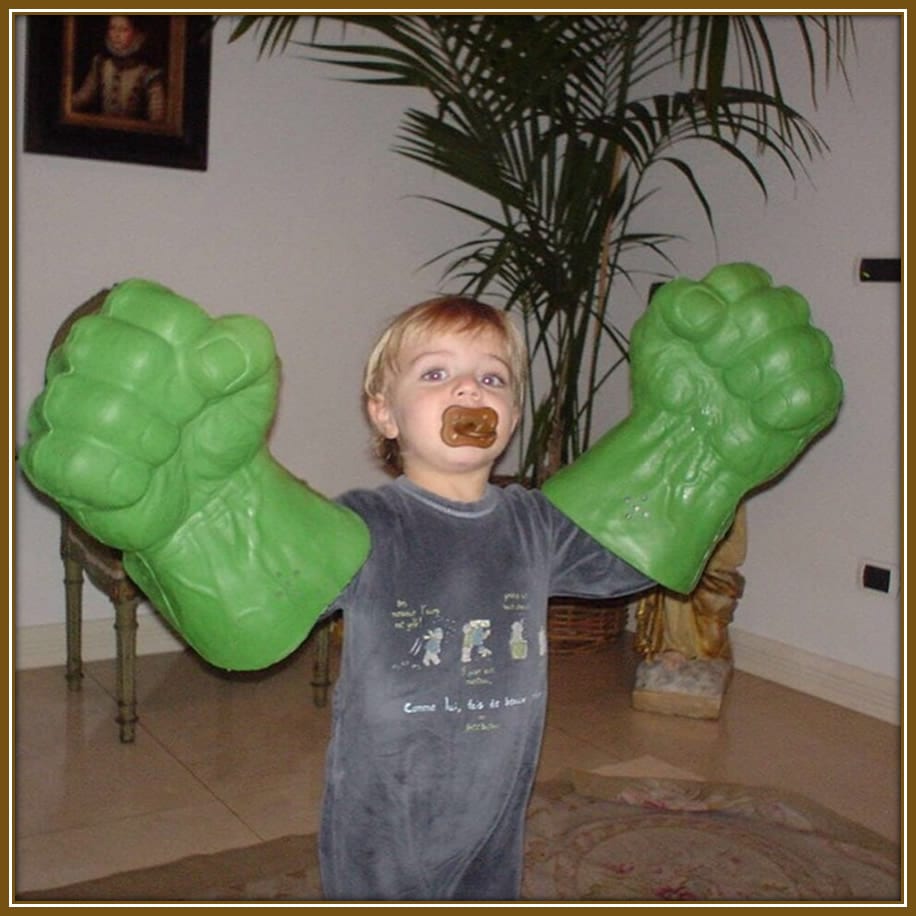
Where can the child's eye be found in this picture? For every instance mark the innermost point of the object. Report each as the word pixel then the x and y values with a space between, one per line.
pixel 493 380
pixel 433 375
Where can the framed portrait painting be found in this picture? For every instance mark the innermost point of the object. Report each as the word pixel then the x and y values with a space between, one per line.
pixel 131 88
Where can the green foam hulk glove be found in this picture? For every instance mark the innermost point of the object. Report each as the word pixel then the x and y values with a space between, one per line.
pixel 730 382
pixel 151 434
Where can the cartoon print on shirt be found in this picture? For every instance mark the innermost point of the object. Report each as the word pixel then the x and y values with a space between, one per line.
pixel 431 644
pixel 476 632
pixel 427 647
pixel 518 645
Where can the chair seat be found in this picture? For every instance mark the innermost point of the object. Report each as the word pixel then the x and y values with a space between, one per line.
pixel 101 563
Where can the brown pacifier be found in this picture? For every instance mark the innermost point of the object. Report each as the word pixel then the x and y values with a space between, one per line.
pixel 469 426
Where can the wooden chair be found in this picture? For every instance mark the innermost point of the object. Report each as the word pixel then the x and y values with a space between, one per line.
pixel 83 555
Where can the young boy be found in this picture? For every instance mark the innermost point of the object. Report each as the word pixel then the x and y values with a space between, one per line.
pixel 443 578
pixel 431 764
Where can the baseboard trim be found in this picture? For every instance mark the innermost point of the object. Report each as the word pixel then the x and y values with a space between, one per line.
pixel 875 695
pixel 846 685
pixel 46 645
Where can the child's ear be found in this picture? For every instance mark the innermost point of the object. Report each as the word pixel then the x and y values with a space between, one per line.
pixel 381 416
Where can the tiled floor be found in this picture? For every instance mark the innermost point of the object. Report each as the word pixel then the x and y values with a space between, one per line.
pixel 225 761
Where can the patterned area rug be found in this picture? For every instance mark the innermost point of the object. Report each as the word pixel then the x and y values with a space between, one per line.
pixel 616 838
pixel 597 837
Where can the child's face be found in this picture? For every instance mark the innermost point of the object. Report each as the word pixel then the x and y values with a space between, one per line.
pixel 120 32
pixel 437 371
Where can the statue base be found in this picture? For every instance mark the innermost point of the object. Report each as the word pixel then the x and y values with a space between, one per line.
pixel 677 686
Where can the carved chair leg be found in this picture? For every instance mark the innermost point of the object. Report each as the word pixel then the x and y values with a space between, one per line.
pixel 126 635
pixel 321 676
pixel 73 588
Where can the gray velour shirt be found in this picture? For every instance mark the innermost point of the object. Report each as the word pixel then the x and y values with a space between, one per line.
pixel 439 707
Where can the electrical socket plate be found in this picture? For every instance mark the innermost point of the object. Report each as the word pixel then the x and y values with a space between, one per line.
pixel 878 270
pixel 894 583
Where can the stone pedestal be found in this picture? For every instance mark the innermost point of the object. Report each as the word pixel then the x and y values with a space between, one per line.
pixel 677 686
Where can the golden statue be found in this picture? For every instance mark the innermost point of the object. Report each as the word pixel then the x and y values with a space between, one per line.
pixel 684 638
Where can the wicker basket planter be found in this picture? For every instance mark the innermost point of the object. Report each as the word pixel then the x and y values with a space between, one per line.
pixel 580 625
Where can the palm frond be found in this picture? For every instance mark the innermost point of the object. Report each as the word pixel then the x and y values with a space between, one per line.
pixel 558 124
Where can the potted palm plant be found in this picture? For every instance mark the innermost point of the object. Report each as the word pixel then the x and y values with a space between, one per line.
pixel 557 125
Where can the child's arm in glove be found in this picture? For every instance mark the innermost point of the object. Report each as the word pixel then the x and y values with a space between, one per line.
pixel 730 382
pixel 150 433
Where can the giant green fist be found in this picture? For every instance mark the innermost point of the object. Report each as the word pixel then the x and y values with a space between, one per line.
pixel 730 382
pixel 151 434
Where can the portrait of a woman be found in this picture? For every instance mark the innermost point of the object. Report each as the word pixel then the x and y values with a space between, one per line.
pixel 123 79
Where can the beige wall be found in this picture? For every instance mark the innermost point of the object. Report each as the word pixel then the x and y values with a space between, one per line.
pixel 304 218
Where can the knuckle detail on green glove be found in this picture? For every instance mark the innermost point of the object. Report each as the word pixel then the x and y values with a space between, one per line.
pixel 154 307
pixel 730 384
pixel 807 408
pixel 691 310
pixel 735 281
pixel 234 352
pixel 61 465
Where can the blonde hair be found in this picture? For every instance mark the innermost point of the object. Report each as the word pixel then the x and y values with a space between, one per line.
pixel 457 314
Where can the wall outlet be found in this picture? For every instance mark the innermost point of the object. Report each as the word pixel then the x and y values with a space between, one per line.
pixel 879 270
pixel 876 576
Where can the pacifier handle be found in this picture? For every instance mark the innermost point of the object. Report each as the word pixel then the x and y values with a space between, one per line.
pixel 474 426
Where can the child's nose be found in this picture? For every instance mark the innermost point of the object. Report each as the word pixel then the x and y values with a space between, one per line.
pixel 467 386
